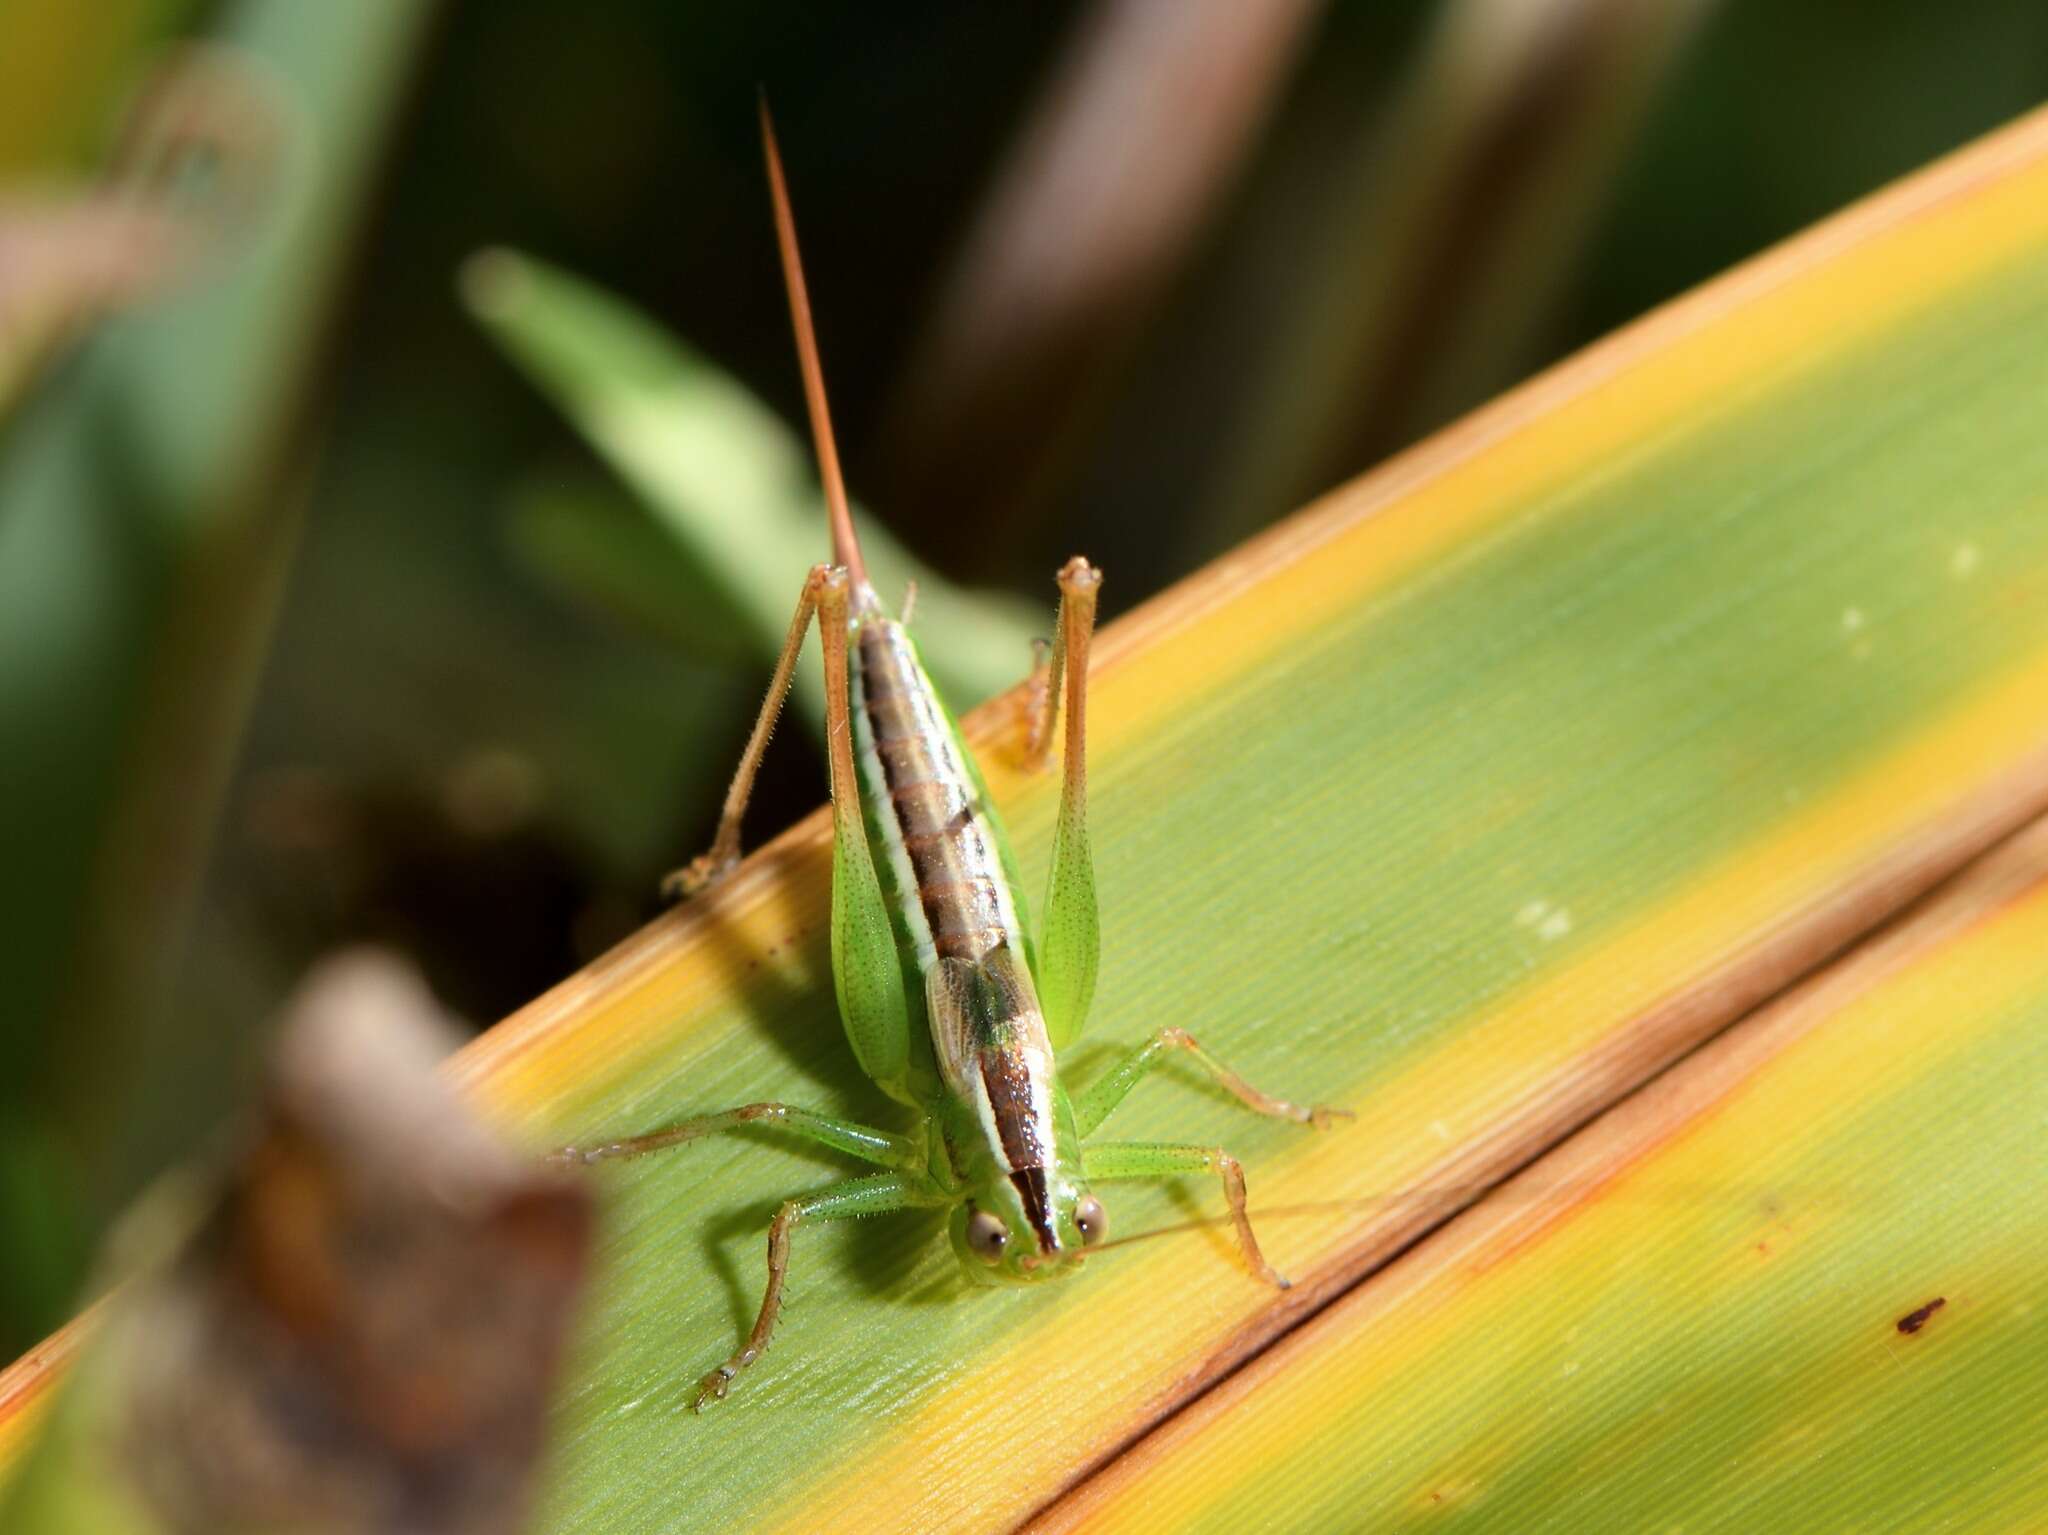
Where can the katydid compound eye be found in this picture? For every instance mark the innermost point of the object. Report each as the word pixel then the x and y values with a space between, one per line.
pixel 986 1236
pixel 1090 1221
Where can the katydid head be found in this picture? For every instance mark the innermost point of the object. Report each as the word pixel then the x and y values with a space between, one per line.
pixel 1026 1226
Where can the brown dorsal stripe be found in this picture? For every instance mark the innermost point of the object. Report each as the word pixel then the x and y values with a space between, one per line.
pixel 1031 1188
pixel 934 805
pixel 1008 1081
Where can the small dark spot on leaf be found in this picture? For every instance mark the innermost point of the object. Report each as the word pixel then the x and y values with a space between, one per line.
pixel 1916 1319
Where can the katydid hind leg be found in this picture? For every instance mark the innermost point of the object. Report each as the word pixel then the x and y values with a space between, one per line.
pixel 1070 944
pixel 876 1195
pixel 1125 1161
pixel 724 853
pixel 1095 1103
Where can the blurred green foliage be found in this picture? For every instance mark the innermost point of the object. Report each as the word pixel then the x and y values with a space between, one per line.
pixel 149 509
pixel 317 621
pixel 731 486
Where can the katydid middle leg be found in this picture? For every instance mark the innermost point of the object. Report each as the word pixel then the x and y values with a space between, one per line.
pixel 878 1194
pixel 1094 1103
pixel 1128 1160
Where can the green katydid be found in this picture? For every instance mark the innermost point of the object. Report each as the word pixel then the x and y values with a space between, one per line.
pixel 950 1006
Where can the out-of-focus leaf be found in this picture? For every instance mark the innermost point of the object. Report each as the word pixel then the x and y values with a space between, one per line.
pixel 350 1328
pixel 147 515
pixel 590 544
pixel 1447 241
pixel 729 482
pixel 194 168
pixel 1105 195
pixel 61 67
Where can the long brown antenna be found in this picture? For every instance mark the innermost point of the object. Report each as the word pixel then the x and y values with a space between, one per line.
pixel 845 546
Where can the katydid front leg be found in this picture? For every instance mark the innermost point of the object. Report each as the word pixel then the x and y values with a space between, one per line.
pixel 872 1195
pixel 864 960
pixel 1127 1160
pixel 876 1195
pixel 724 854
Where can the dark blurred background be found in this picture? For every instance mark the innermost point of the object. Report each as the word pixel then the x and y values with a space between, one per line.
pixel 320 621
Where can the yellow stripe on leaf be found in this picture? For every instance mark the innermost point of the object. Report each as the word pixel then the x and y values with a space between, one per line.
pixel 1804 1293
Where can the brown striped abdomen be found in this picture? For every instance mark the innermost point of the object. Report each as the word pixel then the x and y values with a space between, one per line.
pixel 936 810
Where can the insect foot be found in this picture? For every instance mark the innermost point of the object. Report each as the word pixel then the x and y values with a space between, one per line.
pixel 1322 1117
pixel 699 875
pixel 713 1387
